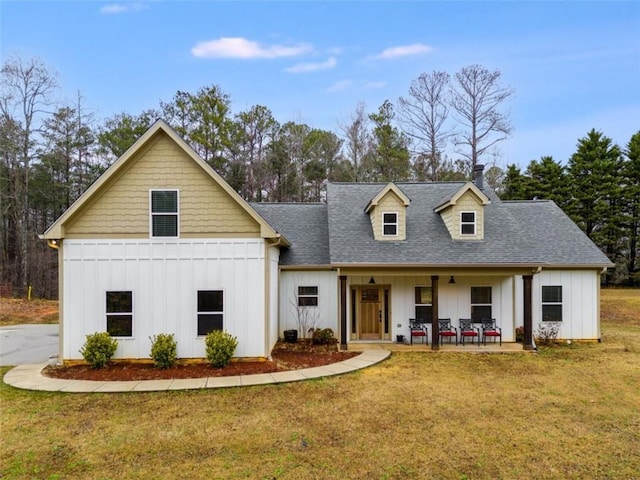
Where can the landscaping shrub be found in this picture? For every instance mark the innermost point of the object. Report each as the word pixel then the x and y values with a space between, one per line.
pixel 547 333
pixel 163 350
pixel 220 348
pixel 98 349
pixel 323 336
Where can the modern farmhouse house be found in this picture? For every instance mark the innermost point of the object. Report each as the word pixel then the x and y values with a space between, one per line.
pixel 161 244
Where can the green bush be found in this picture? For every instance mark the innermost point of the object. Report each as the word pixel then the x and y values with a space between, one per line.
pixel 220 347
pixel 323 336
pixel 163 350
pixel 98 349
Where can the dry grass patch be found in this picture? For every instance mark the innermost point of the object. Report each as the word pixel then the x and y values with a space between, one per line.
pixel 570 412
pixel 16 311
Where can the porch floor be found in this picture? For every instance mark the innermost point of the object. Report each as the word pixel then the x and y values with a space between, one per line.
pixel 510 347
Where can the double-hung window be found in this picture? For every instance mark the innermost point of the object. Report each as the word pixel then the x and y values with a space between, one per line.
pixel 210 311
pixel 423 305
pixel 467 223
pixel 120 313
pixel 164 213
pixel 389 224
pixel 307 296
pixel 480 303
pixel 551 303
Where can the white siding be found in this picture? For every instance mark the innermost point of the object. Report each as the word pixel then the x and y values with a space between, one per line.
pixel 327 310
pixel 164 278
pixel 454 300
pixel 274 257
pixel 580 309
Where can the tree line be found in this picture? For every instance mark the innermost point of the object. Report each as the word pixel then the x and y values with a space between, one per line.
pixel 599 189
pixel 52 151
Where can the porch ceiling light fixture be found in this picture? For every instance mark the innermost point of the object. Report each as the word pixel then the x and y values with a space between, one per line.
pixel 452 280
pixel 372 280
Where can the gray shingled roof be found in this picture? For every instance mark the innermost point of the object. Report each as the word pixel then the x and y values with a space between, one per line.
pixel 528 232
pixel 305 225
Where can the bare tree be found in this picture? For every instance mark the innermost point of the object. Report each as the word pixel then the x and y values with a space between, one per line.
pixel 423 115
pixel 476 99
pixel 358 143
pixel 26 89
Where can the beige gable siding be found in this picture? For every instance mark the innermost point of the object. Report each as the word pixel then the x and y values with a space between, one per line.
pixel 468 202
pixel 122 207
pixel 390 203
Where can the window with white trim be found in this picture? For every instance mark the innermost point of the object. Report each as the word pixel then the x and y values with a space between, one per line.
pixel 164 213
pixel 307 296
pixel 423 303
pixel 119 312
pixel 389 224
pixel 467 223
pixel 552 303
pixel 210 311
pixel 481 303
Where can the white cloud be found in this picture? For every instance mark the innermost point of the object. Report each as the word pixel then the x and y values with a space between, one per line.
pixel 403 51
pixel 312 67
pixel 238 47
pixel 115 8
pixel 339 86
pixel 375 85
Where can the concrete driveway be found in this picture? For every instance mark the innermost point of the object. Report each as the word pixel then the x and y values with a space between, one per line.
pixel 27 344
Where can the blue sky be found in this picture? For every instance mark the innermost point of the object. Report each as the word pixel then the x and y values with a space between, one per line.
pixel 574 65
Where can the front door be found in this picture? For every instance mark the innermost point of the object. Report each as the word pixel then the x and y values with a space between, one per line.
pixel 370 313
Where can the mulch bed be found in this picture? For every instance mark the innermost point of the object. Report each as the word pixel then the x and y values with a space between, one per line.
pixel 285 356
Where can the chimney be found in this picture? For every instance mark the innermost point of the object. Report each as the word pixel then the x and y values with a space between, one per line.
pixel 477 176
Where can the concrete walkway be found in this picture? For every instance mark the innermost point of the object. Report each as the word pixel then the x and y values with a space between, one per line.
pixel 29 377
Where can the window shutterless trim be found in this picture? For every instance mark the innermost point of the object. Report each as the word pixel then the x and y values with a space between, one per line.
pixel 478 304
pixel 466 223
pixel 308 297
pixel 118 313
pixel 152 214
pixel 395 224
pixel 204 313
pixel 554 303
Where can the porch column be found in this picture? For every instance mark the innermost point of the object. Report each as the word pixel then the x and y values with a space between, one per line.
pixel 435 334
pixel 528 323
pixel 343 312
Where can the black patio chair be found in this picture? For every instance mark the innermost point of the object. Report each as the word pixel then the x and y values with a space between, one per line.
pixel 418 328
pixel 490 329
pixel 467 330
pixel 446 330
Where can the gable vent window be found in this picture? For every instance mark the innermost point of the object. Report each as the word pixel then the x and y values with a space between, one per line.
pixel 552 304
pixel 164 213
pixel 390 224
pixel 467 223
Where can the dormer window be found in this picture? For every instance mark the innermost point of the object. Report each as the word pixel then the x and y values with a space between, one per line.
pixel 389 224
pixel 467 223
pixel 164 213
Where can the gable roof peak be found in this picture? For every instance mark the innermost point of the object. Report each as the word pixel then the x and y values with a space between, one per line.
pixel 389 187
pixel 455 196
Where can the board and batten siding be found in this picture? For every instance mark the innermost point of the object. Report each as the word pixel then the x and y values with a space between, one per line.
pixel 580 302
pixel 326 312
pixel 454 300
pixel 164 277
pixel 121 208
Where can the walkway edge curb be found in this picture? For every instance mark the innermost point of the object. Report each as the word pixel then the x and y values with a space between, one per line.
pixel 29 377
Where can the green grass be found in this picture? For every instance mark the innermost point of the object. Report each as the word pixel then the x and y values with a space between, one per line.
pixel 570 412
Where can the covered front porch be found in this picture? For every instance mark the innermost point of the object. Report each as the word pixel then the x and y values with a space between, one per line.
pixel 510 347
pixel 376 305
